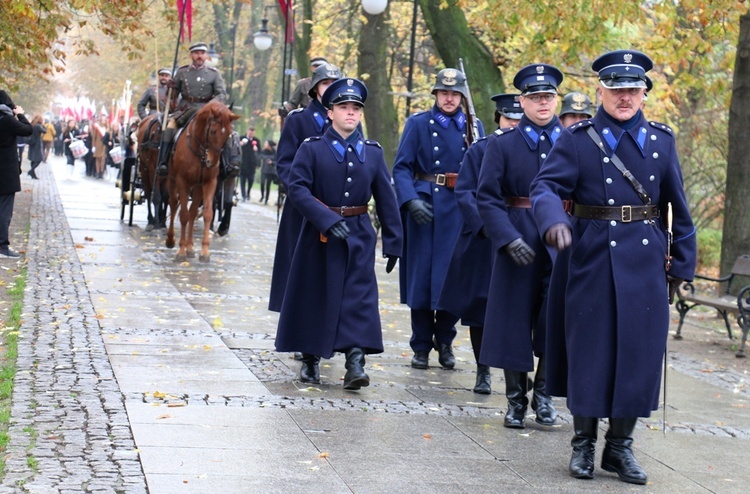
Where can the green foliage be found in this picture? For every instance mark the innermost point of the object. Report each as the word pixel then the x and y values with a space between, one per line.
pixel 709 250
pixel 8 354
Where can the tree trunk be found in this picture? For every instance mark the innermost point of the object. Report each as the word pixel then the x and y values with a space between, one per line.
pixel 736 236
pixel 453 40
pixel 380 113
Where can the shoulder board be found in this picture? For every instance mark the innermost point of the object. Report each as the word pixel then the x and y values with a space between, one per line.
pixel 212 68
pixel 506 130
pixel 664 127
pixel 296 110
pixel 373 143
pixel 310 139
pixel 481 139
pixel 184 67
pixel 581 125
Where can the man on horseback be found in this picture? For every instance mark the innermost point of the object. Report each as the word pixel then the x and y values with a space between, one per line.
pixel 196 84
pixel 155 97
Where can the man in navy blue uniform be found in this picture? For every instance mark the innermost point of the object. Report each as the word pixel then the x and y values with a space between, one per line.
pixel 299 125
pixel 612 277
pixel 424 173
pixel 514 322
pixel 465 292
pixel 332 280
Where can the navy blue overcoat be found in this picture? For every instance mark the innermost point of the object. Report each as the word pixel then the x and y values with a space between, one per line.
pixel 514 325
pixel 468 279
pixel 608 290
pixel 299 125
pixel 331 298
pixel 432 143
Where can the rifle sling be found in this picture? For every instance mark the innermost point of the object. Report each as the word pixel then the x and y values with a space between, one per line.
pixel 620 166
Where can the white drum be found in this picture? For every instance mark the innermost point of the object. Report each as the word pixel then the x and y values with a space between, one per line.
pixel 79 149
pixel 116 155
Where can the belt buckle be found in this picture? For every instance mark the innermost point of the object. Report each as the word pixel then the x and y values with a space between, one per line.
pixel 440 179
pixel 342 210
pixel 627 214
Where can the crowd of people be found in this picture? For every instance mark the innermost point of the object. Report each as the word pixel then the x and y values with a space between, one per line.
pixel 548 238
pixel 559 238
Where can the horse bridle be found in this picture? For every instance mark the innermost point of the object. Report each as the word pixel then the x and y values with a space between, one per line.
pixel 202 151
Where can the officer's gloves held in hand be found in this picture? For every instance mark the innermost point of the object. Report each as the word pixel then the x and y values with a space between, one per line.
pixel 558 236
pixel 520 252
pixel 673 283
pixel 420 210
pixel 391 263
pixel 339 230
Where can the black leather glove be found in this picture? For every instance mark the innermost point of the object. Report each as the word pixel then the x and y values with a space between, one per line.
pixel 674 284
pixel 391 263
pixel 420 210
pixel 558 236
pixel 520 252
pixel 339 230
pixel 283 112
pixel 171 83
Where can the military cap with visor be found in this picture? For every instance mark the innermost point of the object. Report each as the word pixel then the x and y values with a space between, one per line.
pixel 323 72
pixel 538 78
pixel 508 105
pixel 576 103
pixel 198 47
pixel 165 71
pixel 345 90
pixel 622 69
pixel 450 80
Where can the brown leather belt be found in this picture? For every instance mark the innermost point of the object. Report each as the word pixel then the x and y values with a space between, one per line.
pixel 518 202
pixel 625 214
pixel 191 99
pixel 349 210
pixel 446 179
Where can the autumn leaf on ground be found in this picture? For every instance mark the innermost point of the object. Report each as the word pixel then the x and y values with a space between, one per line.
pixel 165 416
pixel 324 455
pixel 88 239
pixel 79 246
pixel 427 436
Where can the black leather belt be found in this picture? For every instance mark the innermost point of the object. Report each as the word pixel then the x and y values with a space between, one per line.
pixel 349 210
pixel 446 179
pixel 518 202
pixel 625 214
pixel 191 99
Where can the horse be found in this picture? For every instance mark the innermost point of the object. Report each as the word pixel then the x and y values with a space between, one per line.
pixel 154 186
pixel 193 171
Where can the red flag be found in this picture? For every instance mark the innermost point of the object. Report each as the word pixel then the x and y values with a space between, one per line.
pixel 288 13
pixel 188 6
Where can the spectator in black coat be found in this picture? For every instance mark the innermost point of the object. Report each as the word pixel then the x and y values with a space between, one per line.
pixel 13 124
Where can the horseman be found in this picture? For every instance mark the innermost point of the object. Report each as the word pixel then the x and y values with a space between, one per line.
pixel 196 84
pixel 154 99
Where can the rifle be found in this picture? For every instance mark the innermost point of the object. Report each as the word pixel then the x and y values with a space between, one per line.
pixel 471 117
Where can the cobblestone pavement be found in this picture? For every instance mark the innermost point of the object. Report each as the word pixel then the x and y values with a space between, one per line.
pixel 105 305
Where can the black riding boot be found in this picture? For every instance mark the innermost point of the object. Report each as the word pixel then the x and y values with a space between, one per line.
pixel 618 455
pixel 584 447
pixel 483 386
pixel 166 144
pixel 355 376
pixel 515 391
pixel 310 370
pixel 541 403
pixel 223 228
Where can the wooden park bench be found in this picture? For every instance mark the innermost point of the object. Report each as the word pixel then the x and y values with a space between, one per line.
pixel 737 305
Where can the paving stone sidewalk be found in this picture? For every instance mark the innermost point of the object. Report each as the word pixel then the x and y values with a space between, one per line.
pixel 141 374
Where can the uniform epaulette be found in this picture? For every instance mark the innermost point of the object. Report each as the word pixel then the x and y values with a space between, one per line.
pixel 505 130
pixel 481 139
pixel 296 110
pixel 581 125
pixel 664 127
pixel 212 68
pixel 373 143
pixel 314 138
pixel 184 66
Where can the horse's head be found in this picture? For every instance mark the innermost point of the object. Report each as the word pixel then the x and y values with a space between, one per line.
pixel 214 121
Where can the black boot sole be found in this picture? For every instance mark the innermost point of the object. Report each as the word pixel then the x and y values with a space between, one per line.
pixel 482 391
pixel 358 383
pixel 629 480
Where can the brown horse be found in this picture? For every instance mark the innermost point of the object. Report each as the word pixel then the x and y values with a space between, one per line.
pixel 154 186
pixel 193 172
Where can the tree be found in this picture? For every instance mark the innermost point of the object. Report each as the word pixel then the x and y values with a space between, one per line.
pixel 38 36
pixel 380 116
pixel 736 236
